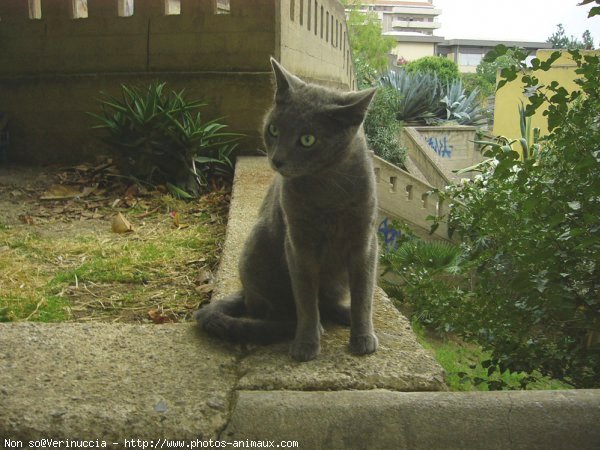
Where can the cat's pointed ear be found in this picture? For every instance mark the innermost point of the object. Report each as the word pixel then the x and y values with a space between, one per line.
pixel 353 109
pixel 286 82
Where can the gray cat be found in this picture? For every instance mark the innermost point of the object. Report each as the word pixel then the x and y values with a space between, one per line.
pixel 315 241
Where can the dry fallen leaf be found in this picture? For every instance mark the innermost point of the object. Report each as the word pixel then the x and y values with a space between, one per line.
pixel 62 191
pixel 176 222
pixel 120 224
pixel 204 288
pixel 131 191
pixel 26 218
pixel 155 316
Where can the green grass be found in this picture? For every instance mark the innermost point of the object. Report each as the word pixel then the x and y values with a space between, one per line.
pixel 462 364
pixel 59 272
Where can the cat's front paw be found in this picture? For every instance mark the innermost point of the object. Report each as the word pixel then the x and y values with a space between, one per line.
pixel 304 351
pixel 363 345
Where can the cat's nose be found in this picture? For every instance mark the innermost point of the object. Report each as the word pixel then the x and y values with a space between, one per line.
pixel 277 163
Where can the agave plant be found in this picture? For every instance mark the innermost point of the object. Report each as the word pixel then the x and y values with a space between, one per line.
pixel 423 99
pixel 460 107
pixel 161 137
pixel 530 139
pixel 419 94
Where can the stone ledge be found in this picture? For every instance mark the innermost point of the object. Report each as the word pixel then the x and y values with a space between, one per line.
pixel 399 364
pixel 90 381
pixel 383 419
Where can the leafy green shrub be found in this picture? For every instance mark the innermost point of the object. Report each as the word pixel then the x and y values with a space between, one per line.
pixel 161 137
pixel 429 280
pixel 526 285
pixel 443 68
pixel 488 67
pixel 530 230
pixel 472 81
pixel 382 129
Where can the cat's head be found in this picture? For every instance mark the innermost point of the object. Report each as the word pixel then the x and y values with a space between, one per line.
pixel 310 128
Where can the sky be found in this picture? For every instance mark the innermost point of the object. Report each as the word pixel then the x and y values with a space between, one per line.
pixel 527 20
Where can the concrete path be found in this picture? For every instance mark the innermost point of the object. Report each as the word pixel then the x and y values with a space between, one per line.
pixel 130 382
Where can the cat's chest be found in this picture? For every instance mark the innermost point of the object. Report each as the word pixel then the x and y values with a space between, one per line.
pixel 329 227
pixel 324 212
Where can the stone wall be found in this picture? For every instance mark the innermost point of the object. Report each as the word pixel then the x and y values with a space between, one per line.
pixel 314 42
pixel 403 196
pixel 438 151
pixel 53 67
pixel 454 146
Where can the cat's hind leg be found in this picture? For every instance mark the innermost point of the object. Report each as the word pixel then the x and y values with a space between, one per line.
pixel 225 319
pixel 217 317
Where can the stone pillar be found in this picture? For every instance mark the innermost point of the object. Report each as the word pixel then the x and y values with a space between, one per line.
pixel 198 7
pixel 14 9
pixel 254 8
pixel 103 8
pixel 57 9
pixel 149 8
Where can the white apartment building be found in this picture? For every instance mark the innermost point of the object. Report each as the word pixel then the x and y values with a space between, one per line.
pixel 410 23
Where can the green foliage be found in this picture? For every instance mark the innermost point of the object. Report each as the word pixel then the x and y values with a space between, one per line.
pixel 489 66
pixel 525 284
pixel 428 281
pixel 161 137
pixel 369 46
pixel 472 81
pixel 530 232
pixel 595 10
pixel 435 256
pixel 559 39
pixel 468 367
pixel 382 129
pixel 443 68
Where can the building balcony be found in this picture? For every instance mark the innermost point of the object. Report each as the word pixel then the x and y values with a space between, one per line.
pixel 415 25
pixel 421 11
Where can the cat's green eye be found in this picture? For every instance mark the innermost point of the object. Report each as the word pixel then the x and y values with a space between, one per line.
pixel 273 130
pixel 307 140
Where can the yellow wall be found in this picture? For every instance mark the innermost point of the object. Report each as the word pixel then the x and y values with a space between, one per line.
pixel 413 50
pixel 509 97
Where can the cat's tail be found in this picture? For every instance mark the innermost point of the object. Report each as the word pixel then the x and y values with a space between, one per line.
pixel 225 318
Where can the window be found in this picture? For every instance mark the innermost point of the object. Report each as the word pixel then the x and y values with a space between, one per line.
pixel 223 7
pixel 321 22
pixel 35 9
pixel 125 8
pixel 469 59
pixel 316 15
pixel 172 7
pixel 79 9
